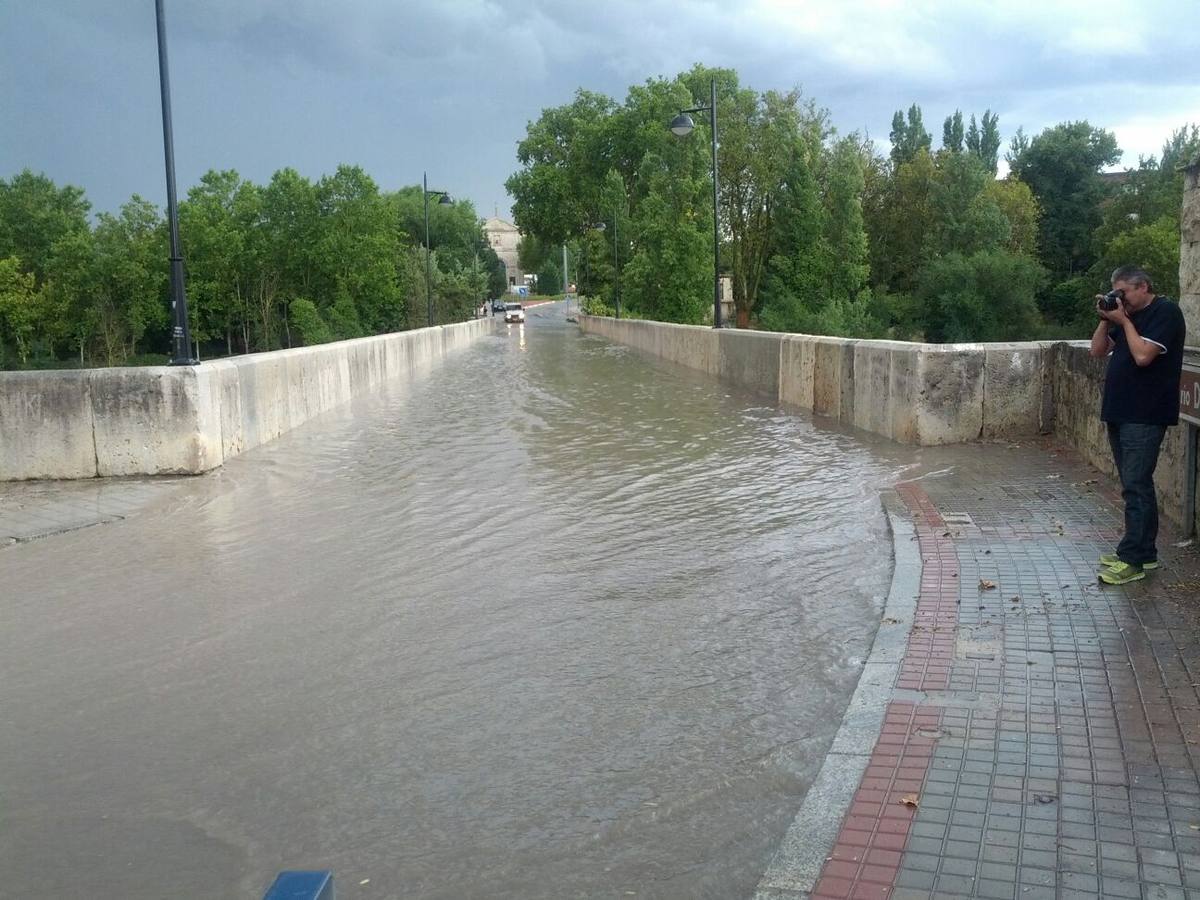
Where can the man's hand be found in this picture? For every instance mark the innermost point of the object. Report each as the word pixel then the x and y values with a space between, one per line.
pixel 1117 316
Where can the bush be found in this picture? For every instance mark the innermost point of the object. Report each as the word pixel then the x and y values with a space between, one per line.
pixel 306 321
pixel 986 296
pixel 594 306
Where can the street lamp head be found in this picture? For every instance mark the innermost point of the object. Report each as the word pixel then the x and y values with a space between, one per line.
pixel 445 201
pixel 682 125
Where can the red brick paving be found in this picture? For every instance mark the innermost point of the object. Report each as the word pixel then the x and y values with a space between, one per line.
pixel 866 856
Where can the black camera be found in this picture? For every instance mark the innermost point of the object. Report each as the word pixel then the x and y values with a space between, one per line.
pixel 1109 303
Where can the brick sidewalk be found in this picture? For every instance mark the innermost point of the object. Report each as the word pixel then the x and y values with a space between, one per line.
pixel 1040 739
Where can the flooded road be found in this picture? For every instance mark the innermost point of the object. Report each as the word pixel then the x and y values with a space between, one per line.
pixel 553 621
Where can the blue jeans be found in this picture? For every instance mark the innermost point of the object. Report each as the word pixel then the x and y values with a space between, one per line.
pixel 1135 450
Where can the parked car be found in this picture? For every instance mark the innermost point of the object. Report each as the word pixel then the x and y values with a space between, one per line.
pixel 497 306
pixel 513 312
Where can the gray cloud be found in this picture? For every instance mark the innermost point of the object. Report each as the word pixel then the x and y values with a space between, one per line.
pixel 448 85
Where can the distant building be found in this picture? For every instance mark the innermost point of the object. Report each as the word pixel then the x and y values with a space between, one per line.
pixel 503 237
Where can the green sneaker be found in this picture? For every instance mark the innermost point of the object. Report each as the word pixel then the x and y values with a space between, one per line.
pixel 1108 560
pixel 1122 573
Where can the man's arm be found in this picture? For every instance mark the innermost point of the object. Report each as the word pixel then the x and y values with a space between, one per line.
pixel 1101 342
pixel 1143 351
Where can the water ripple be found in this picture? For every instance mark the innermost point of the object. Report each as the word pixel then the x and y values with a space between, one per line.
pixel 553 620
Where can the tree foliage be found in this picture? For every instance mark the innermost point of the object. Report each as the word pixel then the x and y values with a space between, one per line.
pixel 339 253
pixel 908 135
pixel 1062 167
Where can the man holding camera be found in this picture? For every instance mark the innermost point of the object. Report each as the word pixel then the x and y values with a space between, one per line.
pixel 1142 335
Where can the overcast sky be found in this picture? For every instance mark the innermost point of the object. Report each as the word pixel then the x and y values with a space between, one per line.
pixel 402 86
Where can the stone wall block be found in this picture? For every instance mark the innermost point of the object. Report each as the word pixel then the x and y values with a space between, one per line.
pixel 1014 395
pixel 750 359
pixel 872 385
pixel 950 400
pixel 833 378
pixel 46 425
pixel 224 379
pixel 797 365
pixel 153 421
pixel 904 394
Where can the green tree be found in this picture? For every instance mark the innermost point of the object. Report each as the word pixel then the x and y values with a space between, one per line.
pixel 549 278
pixel 1151 191
pixel 533 253
pixel 213 242
pixel 670 275
pixel 565 157
pixel 22 309
pixel 343 316
pixel 984 141
pixel 952 132
pixel 307 323
pixel 849 265
pixel 757 134
pixel 1154 246
pixel 1016 203
pixel 908 136
pixel 495 273
pixel 129 278
pixel 985 296
pixel 964 217
pixel 1061 166
pixel 35 215
pixel 899 216
pixel 356 255
pixel 797 273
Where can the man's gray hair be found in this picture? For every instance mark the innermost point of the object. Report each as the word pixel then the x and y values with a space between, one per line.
pixel 1132 275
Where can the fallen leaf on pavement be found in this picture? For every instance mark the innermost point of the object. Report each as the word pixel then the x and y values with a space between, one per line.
pixel 986 585
pixel 909 800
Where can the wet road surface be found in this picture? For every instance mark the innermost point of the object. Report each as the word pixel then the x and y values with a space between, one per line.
pixel 555 620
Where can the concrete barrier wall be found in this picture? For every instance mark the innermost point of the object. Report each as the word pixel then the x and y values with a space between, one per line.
pixel 924 394
pixel 1078 383
pixel 913 393
pixel 188 419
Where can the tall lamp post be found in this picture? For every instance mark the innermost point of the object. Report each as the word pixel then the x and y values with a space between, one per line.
pixel 616 268
pixel 682 126
pixel 181 338
pixel 443 201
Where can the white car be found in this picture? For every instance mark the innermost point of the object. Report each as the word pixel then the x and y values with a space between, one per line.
pixel 513 312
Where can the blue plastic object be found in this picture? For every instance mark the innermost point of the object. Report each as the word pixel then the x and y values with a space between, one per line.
pixel 301 886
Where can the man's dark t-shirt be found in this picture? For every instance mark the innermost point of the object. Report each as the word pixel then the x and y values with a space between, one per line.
pixel 1146 395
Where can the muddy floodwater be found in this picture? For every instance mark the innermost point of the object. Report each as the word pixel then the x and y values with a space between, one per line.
pixel 553 620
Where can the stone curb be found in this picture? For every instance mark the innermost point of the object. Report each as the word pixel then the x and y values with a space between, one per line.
pixel 796 867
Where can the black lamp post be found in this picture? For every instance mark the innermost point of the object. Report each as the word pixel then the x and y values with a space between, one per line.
pixel 181 338
pixel 682 126
pixel 444 201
